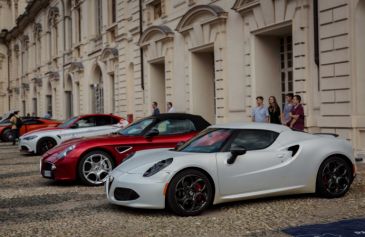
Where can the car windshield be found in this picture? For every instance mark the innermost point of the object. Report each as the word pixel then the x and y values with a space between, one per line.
pixel 68 122
pixel 209 141
pixel 136 129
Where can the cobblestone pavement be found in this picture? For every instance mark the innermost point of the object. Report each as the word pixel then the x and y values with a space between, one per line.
pixel 33 206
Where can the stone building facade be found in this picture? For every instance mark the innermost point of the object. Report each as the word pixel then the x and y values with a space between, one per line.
pixel 209 57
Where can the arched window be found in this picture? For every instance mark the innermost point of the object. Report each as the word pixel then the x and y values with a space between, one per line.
pixel 97 91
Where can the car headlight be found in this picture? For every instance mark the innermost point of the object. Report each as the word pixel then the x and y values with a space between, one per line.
pixel 158 167
pixel 64 153
pixel 30 137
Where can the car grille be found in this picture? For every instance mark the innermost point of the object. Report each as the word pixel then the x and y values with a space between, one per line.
pixel 23 148
pixel 47 166
pixel 125 194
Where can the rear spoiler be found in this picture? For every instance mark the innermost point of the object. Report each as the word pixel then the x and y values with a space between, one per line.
pixel 326 133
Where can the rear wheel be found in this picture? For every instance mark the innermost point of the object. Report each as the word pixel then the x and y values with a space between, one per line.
pixel 334 177
pixel 45 144
pixel 190 193
pixel 7 135
pixel 94 167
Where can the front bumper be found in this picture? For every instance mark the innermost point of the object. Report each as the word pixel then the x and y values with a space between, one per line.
pixel 143 192
pixel 62 170
pixel 27 146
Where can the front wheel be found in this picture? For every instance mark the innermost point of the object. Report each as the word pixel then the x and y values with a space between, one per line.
pixel 190 193
pixel 334 177
pixel 94 167
pixel 44 145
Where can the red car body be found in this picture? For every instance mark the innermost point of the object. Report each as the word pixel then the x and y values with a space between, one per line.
pixel 66 169
pixel 29 124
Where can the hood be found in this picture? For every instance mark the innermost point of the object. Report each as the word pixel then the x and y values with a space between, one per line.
pixel 43 130
pixel 143 160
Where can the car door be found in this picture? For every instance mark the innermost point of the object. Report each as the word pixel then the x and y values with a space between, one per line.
pixel 170 132
pixel 260 169
pixel 31 125
pixel 82 127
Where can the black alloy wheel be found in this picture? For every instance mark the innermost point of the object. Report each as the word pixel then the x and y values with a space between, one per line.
pixel 44 145
pixel 190 193
pixel 334 177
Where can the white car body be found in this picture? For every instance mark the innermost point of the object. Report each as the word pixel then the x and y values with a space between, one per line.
pixel 258 173
pixel 61 135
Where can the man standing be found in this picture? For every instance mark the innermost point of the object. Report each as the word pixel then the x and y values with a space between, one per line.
pixel 16 124
pixel 297 115
pixel 287 108
pixel 260 114
pixel 170 109
pixel 155 108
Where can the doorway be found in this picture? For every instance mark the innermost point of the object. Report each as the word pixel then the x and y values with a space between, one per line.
pixel 68 97
pixel 203 84
pixel 157 84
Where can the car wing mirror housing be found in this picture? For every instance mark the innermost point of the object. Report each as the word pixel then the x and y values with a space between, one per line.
pixel 235 152
pixel 152 133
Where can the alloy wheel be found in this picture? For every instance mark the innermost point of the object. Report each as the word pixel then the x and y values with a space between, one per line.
pixel 191 193
pixel 96 168
pixel 335 176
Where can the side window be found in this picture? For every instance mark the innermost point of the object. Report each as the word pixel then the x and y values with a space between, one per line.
pixel 175 126
pixel 32 122
pixel 103 120
pixel 255 139
pixel 86 122
pixel 114 120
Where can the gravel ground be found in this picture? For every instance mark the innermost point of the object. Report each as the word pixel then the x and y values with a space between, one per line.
pixel 33 206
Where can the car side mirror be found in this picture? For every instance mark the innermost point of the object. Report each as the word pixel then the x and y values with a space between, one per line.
pixel 152 133
pixel 235 152
pixel 178 145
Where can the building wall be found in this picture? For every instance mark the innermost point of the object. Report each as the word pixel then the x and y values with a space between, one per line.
pixel 206 57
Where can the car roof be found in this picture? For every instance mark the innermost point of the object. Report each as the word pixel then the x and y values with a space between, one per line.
pixel 199 122
pixel 260 126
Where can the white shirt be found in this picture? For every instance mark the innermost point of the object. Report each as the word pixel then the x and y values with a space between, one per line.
pixel 171 110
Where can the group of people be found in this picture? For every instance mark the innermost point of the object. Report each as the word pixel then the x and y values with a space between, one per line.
pixel 292 115
pixel 156 110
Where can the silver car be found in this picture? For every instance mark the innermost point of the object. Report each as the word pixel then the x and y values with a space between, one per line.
pixel 233 162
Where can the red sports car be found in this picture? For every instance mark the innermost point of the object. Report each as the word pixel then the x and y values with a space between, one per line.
pixel 91 159
pixel 29 124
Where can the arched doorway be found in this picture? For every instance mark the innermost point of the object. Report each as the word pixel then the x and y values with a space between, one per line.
pixel 97 91
pixel 68 97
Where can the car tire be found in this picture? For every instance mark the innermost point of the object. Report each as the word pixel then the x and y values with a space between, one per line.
pixel 7 135
pixel 190 192
pixel 334 177
pixel 45 144
pixel 94 167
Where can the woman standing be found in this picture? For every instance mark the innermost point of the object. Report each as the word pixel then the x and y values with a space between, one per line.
pixel 274 111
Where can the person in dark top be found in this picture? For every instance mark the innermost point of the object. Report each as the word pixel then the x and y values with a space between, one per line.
pixel 155 108
pixel 274 111
pixel 297 114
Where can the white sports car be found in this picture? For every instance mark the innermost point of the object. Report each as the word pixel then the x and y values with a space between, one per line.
pixel 42 140
pixel 233 162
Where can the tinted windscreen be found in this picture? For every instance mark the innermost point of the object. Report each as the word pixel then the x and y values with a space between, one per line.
pixel 210 140
pixel 68 123
pixel 136 129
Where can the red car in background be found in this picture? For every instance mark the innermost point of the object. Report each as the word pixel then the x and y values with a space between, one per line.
pixel 29 124
pixel 91 159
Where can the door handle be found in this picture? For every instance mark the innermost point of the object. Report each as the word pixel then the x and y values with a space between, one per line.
pixel 280 156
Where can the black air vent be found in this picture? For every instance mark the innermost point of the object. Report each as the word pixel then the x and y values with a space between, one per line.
pixel 293 149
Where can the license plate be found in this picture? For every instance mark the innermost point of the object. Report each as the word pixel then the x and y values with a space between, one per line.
pixel 47 173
